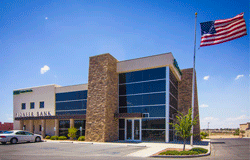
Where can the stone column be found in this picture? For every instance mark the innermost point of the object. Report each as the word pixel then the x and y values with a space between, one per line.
pixel 31 126
pixel 71 123
pixel 43 127
pixel 57 127
pixel 21 124
pixel 185 98
pixel 102 101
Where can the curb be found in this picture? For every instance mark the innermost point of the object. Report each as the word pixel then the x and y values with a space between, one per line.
pixel 184 156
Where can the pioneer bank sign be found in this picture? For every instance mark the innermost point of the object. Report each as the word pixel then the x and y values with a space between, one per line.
pixel 33 114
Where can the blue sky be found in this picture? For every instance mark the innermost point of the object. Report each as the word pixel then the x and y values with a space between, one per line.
pixel 62 35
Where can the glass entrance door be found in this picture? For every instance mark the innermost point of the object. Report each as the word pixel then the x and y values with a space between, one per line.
pixel 133 129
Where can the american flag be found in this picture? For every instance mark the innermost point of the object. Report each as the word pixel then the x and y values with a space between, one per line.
pixel 219 31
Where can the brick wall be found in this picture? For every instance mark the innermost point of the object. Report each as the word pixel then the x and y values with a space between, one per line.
pixel 6 126
pixel 102 102
pixel 185 97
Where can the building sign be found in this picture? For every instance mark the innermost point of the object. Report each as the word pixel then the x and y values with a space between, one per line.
pixel 22 91
pixel 177 67
pixel 33 114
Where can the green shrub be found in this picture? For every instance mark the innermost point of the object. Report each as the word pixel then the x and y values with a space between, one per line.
pixel 199 150
pixel 191 152
pixel 54 137
pixel 81 138
pixel 72 132
pixel 47 137
pixel 203 135
pixel 62 138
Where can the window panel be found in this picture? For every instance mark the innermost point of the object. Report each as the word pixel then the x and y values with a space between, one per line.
pixel 64 124
pixel 71 95
pixel 121 134
pixel 32 105
pixel 173 90
pixel 41 104
pixel 23 106
pixel 130 77
pixel 121 123
pixel 130 100
pixel 150 99
pixel 154 86
pixel 150 123
pixel 70 112
pixel 173 102
pixel 153 135
pixel 71 105
pixel 79 123
pixel 173 79
pixel 157 73
pixel 172 112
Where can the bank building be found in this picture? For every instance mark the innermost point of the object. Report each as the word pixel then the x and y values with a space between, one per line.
pixel 131 100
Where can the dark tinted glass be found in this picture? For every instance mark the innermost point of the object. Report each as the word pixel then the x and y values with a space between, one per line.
pixel 171 135
pixel 70 112
pixel 121 134
pixel 130 77
pixel 172 112
pixel 154 111
pixel 32 105
pixel 121 123
pixel 41 104
pixel 173 79
pixel 173 90
pixel 130 100
pixel 150 123
pixel 154 86
pixel 71 105
pixel 157 73
pixel 71 95
pixel 23 106
pixel 153 135
pixel 134 88
pixel 158 98
pixel 79 123
pixel 64 124
pixel 173 101
pixel 63 133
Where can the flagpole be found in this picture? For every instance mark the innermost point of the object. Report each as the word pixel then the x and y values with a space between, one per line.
pixel 193 84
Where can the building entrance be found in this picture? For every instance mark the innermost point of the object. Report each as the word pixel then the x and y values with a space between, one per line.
pixel 133 129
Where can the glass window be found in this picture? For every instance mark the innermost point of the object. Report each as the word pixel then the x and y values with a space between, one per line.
pixel 153 135
pixel 130 100
pixel 173 79
pixel 64 124
pixel 172 112
pixel 121 134
pixel 130 77
pixel 121 123
pixel 158 98
pixel 40 127
pixel 153 111
pixel 71 95
pixel 23 106
pixel 151 123
pixel 157 73
pixel 70 112
pixel 173 102
pixel 32 105
pixel 154 86
pixel 134 88
pixel 41 105
pixel 71 105
pixel 79 123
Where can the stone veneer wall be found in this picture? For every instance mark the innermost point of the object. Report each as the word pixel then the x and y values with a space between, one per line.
pixel 185 97
pixel 102 101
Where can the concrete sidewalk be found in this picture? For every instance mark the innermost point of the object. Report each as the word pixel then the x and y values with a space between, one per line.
pixel 150 148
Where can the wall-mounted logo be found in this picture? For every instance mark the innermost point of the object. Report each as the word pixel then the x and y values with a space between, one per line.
pixel 22 91
pixel 33 114
pixel 177 67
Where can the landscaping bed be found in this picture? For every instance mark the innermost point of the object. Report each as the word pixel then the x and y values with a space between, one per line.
pixel 179 153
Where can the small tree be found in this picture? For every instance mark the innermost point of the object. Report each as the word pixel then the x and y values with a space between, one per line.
pixel 72 132
pixel 237 132
pixel 183 125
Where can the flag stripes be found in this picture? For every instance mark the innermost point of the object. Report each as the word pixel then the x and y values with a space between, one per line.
pixel 221 31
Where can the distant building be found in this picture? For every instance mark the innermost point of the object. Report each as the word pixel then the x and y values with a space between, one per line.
pixel 245 127
pixel 6 126
pixel 132 100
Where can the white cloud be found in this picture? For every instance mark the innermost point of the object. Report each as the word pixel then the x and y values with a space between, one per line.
pixel 203 106
pixel 207 119
pixel 239 76
pixel 44 69
pixel 46 18
pixel 242 117
pixel 206 78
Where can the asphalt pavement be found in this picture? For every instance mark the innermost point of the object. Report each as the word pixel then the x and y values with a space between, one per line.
pixel 221 149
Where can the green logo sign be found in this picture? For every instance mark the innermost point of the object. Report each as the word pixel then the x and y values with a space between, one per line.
pixel 22 91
